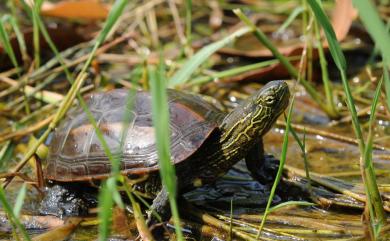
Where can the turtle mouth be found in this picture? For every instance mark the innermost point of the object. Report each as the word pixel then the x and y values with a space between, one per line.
pixel 285 97
pixel 284 94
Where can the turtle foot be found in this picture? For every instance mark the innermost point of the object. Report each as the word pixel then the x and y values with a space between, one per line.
pixel 64 201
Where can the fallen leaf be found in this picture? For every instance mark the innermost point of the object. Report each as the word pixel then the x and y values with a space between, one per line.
pixel 342 17
pixel 76 9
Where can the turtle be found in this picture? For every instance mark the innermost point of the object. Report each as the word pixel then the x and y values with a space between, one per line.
pixel 204 142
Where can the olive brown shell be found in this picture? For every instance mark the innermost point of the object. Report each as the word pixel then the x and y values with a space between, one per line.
pixel 76 154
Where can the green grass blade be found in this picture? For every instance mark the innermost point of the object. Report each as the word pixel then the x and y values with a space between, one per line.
pixel 302 146
pixel 188 4
pixel 20 199
pixel 37 49
pixel 285 62
pixel 27 8
pixel 328 86
pixel 283 157
pixel 290 203
pixel 6 154
pixel 108 199
pixel 19 38
pixel 160 113
pixel 110 192
pixel 5 40
pixel 339 59
pixel 113 16
pixel 105 209
pixel 375 27
pixel 183 75
pixel 53 47
pixel 375 198
pixel 8 210
pixel 293 15
pixel 232 72
pixel 334 47
pixel 387 85
pixel 368 174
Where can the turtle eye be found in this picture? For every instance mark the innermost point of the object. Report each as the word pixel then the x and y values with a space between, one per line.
pixel 269 100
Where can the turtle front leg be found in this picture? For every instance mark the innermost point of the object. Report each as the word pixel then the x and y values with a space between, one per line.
pixel 161 207
pixel 263 168
pixel 67 200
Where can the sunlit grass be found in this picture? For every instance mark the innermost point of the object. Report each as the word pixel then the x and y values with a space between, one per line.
pixel 5 40
pixel 379 32
pixel 68 100
pixel 188 21
pixel 35 10
pixel 325 106
pixel 377 215
pixel 160 111
pixel 302 146
pixel 387 85
pixel 15 222
pixel 20 200
pixel 183 75
pixel 282 161
pixel 367 168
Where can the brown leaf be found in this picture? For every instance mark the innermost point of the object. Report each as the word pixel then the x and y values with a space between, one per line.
pixel 63 36
pixel 342 17
pixel 61 232
pixel 76 9
pixel 120 223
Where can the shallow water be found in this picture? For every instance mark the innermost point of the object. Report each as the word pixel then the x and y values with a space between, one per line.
pixel 325 156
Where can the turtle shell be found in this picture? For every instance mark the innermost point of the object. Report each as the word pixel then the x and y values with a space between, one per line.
pixel 76 154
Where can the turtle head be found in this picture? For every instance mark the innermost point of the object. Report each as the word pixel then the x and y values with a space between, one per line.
pixel 254 117
pixel 264 107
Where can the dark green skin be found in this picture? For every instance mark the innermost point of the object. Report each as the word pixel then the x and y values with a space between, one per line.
pixel 238 136
pixel 206 143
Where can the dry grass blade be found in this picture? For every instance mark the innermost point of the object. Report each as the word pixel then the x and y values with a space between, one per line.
pixel 183 75
pixel 23 132
pixel 60 233
pixel 59 115
pixel 139 220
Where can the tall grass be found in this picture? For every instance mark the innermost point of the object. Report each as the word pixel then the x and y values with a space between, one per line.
pixel 368 175
pixel 5 40
pixel 162 129
pixel 183 75
pixel 325 106
pixel 37 49
pixel 188 6
pixel 379 33
pixel 387 85
pixel 302 146
pixel 375 27
pixel 20 200
pixel 282 161
pixel 67 102
pixel 15 222
pixel 374 200
pixel 109 192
